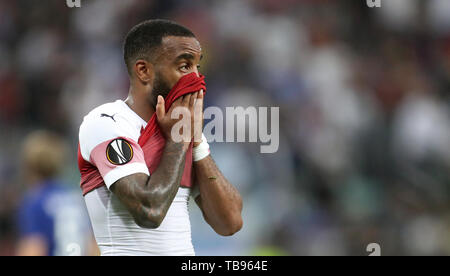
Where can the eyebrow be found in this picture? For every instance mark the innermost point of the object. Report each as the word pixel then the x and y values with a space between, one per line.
pixel 187 56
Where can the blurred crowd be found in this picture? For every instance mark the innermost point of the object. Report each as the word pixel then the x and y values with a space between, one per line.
pixel 364 101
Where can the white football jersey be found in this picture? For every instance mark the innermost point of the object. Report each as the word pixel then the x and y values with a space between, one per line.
pixel 108 150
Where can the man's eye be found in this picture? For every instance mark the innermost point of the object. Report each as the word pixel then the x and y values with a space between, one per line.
pixel 184 68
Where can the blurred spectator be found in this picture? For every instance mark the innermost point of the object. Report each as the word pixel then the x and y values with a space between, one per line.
pixel 51 218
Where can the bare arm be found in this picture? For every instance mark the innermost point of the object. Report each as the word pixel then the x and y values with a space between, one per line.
pixel 219 201
pixel 33 245
pixel 148 198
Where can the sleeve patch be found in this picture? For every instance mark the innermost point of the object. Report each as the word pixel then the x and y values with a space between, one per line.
pixel 119 152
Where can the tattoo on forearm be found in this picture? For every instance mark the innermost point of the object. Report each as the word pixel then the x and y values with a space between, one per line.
pixel 207 172
pixel 149 198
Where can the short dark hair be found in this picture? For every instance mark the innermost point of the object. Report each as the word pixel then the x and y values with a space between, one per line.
pixel 145 37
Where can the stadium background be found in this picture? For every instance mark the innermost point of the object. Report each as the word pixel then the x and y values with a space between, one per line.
pixel 364 112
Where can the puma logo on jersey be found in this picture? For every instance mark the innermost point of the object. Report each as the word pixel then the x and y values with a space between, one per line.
pixel 109 116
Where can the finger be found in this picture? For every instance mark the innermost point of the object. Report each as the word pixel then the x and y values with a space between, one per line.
pixel 200 94
pixel 199 100
pixel 160 108
pixel 192 100
pixel 177 102
pixel 186 99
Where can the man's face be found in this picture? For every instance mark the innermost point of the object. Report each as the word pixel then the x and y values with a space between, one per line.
pixel 178 56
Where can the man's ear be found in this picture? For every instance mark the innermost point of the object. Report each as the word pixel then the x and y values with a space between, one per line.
pixel 144 71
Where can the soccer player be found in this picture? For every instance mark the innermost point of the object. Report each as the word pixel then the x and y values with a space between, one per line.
pixel 137 209
pixel 51 219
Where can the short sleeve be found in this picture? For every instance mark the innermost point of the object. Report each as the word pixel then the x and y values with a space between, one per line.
pixel 107 145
